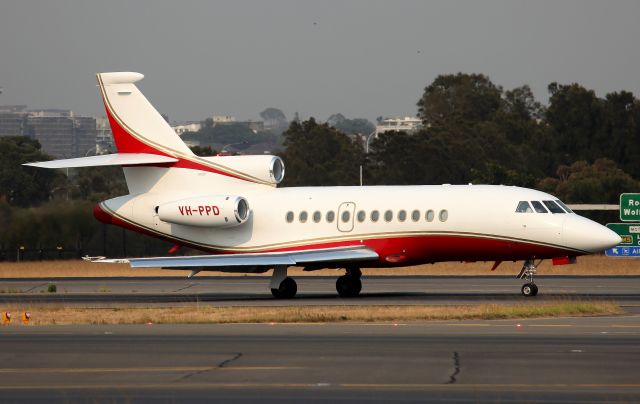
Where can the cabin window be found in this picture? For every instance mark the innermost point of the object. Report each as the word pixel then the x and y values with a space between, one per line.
pixel 289 217
pixel 361 216
pixel 444 215
pixel 565 207
pixel 388 215
pixel 331 216
pixel 538 207
pixel 302 217
pixel 346 215
pixel 553 207
pixel 402 215
pixel 430 215
pixel 375 215
pixel 415 215
pixel 524 207
pixel 317 216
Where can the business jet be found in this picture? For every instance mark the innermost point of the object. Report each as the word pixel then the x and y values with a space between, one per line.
pixel 230 208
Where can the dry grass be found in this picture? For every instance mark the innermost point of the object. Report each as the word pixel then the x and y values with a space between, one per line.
pixel 591 265
pixel 51 314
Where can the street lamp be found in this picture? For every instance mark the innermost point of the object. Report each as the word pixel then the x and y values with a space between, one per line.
pixel 366 149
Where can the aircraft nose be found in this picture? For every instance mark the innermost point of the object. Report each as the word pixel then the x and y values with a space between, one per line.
pixel 584 234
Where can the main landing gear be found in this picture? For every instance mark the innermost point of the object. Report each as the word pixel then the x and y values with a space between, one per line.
pixel 282 287
pixel 528 271
pixel 349 285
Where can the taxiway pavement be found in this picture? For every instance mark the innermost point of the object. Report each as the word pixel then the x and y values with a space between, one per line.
pixel 315 290
pixel 552 360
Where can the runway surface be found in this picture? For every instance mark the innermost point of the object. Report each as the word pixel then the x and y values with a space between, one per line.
pixel 315 290
pixel 552 360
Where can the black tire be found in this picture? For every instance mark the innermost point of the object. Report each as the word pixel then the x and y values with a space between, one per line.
pixel 528 289
pixel 287 289
pixel 348 286
pixel 535 289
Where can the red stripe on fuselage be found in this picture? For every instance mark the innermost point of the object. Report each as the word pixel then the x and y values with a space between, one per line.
pixel 416 249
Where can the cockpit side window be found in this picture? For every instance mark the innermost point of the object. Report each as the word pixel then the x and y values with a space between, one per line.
pixel 565 207
pixel 553 207
pixel 538 207
pixel 524 207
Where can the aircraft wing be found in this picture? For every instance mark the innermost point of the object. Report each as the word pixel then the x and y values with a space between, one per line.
pixel 289 258
pixel 116 159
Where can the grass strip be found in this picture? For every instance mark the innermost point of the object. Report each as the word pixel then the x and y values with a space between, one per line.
pixel 197 314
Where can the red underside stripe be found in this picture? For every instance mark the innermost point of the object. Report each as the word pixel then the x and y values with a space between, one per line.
pixel 416 249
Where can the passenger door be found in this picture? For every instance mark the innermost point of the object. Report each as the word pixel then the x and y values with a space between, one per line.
pixel 346 216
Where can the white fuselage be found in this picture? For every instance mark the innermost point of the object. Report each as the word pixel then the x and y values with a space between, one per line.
pixel 425 223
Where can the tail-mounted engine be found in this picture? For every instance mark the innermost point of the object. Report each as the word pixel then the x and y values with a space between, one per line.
pixel 265 169
pixel 206 211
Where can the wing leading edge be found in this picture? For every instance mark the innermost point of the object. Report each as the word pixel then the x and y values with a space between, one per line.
pixel 289 258
pixel 117 159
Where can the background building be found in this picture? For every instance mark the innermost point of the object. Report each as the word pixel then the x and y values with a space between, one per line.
pixel 59 131
pixel 406 124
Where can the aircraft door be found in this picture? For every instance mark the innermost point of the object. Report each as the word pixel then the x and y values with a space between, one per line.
pixel 346 213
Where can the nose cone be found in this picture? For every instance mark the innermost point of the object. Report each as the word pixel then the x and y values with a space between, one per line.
pixel 586 235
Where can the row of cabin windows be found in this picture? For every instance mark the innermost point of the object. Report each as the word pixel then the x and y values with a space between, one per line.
pixel 374 216
pixel 543 207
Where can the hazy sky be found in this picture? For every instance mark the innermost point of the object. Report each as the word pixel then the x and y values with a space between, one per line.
pixel 362 58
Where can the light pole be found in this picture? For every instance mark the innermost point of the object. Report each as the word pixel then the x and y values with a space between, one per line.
pixel 366 148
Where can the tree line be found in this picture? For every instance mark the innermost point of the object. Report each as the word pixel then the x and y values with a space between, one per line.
pixel 582 148
pixel 579 147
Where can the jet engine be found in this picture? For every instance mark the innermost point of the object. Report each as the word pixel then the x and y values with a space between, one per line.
pixel 268 169
pixel 206 211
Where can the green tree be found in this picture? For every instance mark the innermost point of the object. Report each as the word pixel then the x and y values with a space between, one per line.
pixel 575 116
pixel 20 185
pixel 317 154
pixel 581 182
pixel 461 97
pixel 203 151
pixel 351 126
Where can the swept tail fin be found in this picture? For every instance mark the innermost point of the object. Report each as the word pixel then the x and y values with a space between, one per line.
pixel 136 125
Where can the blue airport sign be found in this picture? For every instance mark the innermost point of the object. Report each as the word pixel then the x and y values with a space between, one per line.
pixel 622 251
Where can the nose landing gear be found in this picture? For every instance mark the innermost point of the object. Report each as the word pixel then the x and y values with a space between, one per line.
pixel 529 289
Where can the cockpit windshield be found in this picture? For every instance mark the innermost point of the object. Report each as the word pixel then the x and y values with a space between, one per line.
pixel 524 207
pixel 542 207
pixel 565 207
pixel 553 207
pixel 538 207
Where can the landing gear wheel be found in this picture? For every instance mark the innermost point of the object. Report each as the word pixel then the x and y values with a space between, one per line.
pixel 529 289
pixel 348 286
pixel 287 289
pixel 528 271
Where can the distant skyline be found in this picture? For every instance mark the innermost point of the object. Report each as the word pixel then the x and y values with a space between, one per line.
pixel 361 58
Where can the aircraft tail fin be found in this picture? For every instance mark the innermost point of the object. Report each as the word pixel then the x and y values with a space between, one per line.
pixel 136 125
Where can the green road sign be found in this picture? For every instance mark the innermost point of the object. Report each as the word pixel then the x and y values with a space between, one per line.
pixel 630 233
pixel 630 207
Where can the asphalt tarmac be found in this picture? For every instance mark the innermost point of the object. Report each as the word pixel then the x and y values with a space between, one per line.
pixel 543 360
pixel 227 291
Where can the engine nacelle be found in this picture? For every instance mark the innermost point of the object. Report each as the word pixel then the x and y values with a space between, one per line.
pixel 206 211
pixel 268 169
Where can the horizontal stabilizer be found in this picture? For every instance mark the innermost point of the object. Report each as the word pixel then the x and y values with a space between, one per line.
pixel 340 254
pixel 117 159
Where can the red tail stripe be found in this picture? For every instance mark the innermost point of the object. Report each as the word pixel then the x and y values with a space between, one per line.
pixel 127 143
